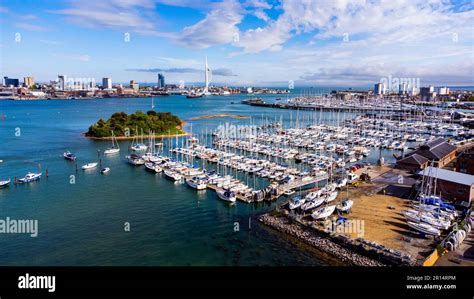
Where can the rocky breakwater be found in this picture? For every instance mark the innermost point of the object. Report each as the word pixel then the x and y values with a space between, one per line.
pixel 283 224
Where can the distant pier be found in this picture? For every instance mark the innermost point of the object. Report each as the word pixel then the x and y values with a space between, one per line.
pixel 260 103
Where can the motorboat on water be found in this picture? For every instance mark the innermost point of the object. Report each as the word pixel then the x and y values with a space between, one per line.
pixel 345 205
pixel 196 183
pixel 323 213
pixel 227 195
pixel 4 184
pixel 194 95
pixel 69 156
pixel 172 175
pixel 30 177
pixel 105 170
pixel 424 228
pixel 90 165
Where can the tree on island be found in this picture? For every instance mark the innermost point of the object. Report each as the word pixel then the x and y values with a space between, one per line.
pixel 120 123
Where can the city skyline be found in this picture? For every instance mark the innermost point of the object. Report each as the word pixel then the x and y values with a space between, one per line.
pixel 255 43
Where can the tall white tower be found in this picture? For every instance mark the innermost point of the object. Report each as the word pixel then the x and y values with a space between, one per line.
pixel 207 77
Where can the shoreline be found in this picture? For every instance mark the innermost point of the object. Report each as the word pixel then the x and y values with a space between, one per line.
pixel 352 252
pixel 162 136
pixel 325 245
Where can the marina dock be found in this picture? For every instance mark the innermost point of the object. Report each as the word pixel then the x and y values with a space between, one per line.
pixel 299 183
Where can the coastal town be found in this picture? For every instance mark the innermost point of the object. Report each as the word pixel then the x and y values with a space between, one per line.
pixel 86 88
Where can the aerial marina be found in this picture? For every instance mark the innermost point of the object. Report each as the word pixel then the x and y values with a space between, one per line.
pixel 231 147
pixel 312 171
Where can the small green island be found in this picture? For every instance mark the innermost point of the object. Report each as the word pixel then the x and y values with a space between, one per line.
pixel 124 126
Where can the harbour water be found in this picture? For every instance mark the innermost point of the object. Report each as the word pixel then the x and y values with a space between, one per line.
pixel 83 223
pixel 82 215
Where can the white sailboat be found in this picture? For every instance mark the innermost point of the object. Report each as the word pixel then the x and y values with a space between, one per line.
pixel 296 202
pixel 424 228
pixel 115 146
pixel 138 146
pixel 135 160
pixel 172 175
pixel 345 205
pixel 196 183
pixel 311 204
pixel 323 213
pixel 331 196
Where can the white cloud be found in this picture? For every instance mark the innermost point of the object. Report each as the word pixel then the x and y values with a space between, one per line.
pixel 134 15
pixel 30 27
pixel 218 27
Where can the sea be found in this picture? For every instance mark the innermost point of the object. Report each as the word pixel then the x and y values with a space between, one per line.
pixel 130 216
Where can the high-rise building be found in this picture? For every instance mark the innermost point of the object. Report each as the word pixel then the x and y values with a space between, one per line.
pixel 106 83
pixel 134 85
pixel 61 82
pixel 402 88
pixel 11 81
pixel 161 81
pixel 427 93
pixel 378 89
pixel 443 90
pixel 28 81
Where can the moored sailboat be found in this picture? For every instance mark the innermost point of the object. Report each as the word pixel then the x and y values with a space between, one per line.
pixel 115 146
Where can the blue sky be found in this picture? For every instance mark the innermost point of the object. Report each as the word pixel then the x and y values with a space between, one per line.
pixel 247 42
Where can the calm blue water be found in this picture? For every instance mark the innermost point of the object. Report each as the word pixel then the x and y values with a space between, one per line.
pixel 83 223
